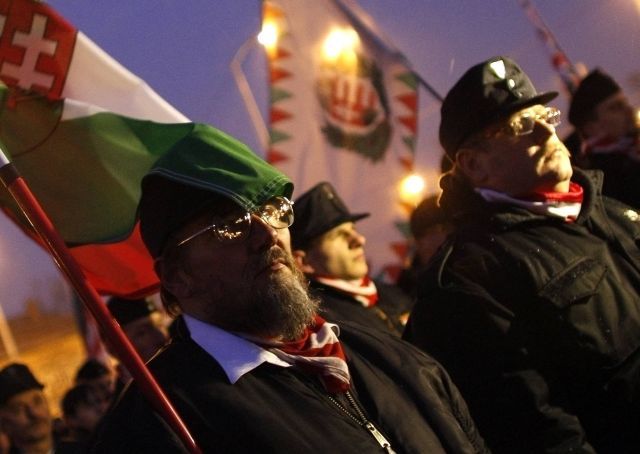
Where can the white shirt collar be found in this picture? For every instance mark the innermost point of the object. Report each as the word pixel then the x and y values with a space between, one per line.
pixel 236 355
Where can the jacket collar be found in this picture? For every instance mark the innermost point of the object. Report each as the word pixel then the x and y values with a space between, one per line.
pixel 465 206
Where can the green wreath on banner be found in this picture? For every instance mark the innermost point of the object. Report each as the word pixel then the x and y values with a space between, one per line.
pixel 374 144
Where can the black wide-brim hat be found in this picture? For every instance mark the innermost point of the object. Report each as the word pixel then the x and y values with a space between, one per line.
pixel 317 211
pixel 487 92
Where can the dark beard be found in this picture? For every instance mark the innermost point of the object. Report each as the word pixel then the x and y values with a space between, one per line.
pixel 281 309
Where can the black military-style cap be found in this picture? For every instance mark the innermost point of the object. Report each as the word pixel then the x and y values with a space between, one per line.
pixel 15 379
pixel 486 93
pixel 593 89
pixel 127 310
pixel 317 211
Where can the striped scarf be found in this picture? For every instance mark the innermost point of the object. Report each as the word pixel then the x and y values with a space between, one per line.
pixel 566 205
pixel 318 352
pixel 362 290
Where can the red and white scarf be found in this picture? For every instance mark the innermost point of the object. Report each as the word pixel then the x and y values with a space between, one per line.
pixel 318 352
pixel 566 205
pixel 362 290
pixel 628 145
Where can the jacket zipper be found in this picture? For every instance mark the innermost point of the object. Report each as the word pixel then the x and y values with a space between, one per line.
pixel 362 421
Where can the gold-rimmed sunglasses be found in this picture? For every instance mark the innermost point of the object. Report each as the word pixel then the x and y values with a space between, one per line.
pixel 277 213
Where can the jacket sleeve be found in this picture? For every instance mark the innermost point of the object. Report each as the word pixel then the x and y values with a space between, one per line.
pixel 514 406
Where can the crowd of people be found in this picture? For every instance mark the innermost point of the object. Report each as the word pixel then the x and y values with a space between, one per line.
pixel 515 329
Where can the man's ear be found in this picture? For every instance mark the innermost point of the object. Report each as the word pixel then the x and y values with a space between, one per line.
pixel 173 278
pixel 300 258
pixel 472 164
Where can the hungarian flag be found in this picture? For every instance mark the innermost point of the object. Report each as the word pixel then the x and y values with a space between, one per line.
pixel 343 109
pixel 83 131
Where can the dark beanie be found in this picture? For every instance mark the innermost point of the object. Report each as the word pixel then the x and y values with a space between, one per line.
pixel 593 89
pixel 126 310
pixel 15 379
pixel 426 215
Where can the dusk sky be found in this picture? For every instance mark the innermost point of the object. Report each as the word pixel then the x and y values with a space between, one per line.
pixel 183 49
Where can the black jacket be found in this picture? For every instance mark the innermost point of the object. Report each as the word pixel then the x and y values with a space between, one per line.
pixel 388 314
pixel 279 410
pixel 538 321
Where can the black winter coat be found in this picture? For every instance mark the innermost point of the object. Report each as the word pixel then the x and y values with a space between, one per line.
pixel 388 314
pixel 406 394
pixel 538 321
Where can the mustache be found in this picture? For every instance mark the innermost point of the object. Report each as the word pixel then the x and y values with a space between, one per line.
pixel 274 254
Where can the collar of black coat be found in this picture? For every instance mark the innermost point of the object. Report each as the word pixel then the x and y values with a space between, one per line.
pixel 465 206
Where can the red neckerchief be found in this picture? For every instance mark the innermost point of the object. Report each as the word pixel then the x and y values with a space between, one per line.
pixel 574 195
pixel 318 352
pixel 362 290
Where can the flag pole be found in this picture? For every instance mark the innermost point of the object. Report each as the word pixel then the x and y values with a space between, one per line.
pixel 29 205
pixel 247 95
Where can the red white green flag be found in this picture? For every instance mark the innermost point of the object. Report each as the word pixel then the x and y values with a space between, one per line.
pixel 343 109
pixel 83 131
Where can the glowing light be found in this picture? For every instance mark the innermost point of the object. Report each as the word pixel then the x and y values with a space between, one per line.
pixel 341 43
pixel 268 36
pixel 412 189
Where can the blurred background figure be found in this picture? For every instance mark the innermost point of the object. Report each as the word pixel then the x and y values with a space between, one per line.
pixel 330 251
pixel 99 376
pixel 143 324
pixel 82 410
pixel 607 125
pixel 25 417
pixel 429 228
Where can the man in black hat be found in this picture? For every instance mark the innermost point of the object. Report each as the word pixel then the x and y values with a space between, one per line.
pixel 330 251
pixel 257 370
pixel 429 229
pixel 24 411
pixel 532 304
pixel 142 322
pixel 608 127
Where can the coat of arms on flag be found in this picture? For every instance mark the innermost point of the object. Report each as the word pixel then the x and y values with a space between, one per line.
pixel 343 109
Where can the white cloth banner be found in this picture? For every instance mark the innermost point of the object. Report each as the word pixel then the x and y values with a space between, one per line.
pixel 343 110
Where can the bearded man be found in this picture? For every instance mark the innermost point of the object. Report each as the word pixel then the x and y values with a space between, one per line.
pixel 253 368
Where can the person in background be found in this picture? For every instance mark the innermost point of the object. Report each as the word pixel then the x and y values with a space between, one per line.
pixel 532 305
pixel 82 410
pixel 143 325
pixel 257 370
pixel 429 228
pixel 25 417
pixel 330 251
pixel 608 127
pixel 101 377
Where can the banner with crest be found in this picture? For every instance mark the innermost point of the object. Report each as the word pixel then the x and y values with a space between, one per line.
pixel 344 110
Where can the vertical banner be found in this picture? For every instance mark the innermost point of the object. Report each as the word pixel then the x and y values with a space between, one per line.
pixel 344 110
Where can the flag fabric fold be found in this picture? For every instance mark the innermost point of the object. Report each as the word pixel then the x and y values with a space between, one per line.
pixel 343 108
pixel 82 130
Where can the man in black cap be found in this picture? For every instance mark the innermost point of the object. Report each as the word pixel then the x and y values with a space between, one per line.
pixel 24 411
pixel 257 370
pixel 429 229
pixel 144 326
pixel 608 127
pixel 330 251
pixel 141 322
pixel 532 304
